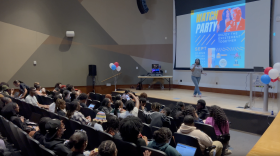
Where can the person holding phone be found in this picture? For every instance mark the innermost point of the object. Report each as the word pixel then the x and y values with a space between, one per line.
pixel 197 70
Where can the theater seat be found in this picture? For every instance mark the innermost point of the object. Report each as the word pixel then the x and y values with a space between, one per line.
pixel 147 131
pixel 209 130
pixel 46 152
pixel 126 148
pixel 154 152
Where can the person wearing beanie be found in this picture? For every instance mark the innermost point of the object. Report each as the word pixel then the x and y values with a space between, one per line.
pixel 54 130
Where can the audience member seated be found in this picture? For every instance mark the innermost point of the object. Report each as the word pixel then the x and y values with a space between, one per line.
pixel 106 106
pixel 66 95
pixel 5 90
pixel 52 106
pixel 201 109
pixel 36 84
pixel 91 96
pixel 38 90
pixel 83 99
pixel 4 101
pixel 130 129
pixel 10 112
pixel 143 95
pixel 79 141
pixel 70 88
pixel 131 108
pixel 118 108
pixel 157 118
pixel 113 127
pixel 161 141
pixel 189 110
pixel 53 141
pixel 74 114
pixel 118 97
pixel 107 148
pixel 57 87
pixel 23 88
pixel 126 95
pixel 60 107
pixel 44 93
pixel 109 96
pixel 166 111
pixel 73 95
pixel 177 111
pixel 218 119
pixel 40 134
pixel 31 98
pixel 204 140
pixel 143 104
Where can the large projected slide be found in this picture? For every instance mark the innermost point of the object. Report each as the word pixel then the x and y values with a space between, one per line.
pixel 229 34
pixel 218 37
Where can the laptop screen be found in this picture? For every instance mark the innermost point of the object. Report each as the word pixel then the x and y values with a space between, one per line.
pixel 91 106
pixel 185 150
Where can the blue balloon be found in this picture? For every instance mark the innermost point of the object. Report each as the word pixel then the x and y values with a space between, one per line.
pixel 265 79
pixel 113 67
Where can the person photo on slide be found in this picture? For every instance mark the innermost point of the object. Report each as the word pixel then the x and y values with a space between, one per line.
pixel 224 23
pixel 237 23
pixel 197 70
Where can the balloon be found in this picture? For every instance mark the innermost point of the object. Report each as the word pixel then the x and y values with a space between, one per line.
pixel 265 79
pixel 119 68
pixel 274 80
pixel 113 67
pixel 110 65
pixel 277 66
pixel 273 73
pixel 116 64
pixel 267 69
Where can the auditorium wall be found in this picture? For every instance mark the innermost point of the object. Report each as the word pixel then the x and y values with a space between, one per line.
pixel 105 31
pixel 228 79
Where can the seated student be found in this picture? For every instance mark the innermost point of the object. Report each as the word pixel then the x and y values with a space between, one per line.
pixel 177 111
pixel 107 148
pixel 166 111
pixel 5 90
pixel 4 101
pixel 161 141
pixel 74 114
pixel 57 87
pixel 38 90
pixel 98 120
pixel 113 127
pixel 53 141
pixel 130 129
pixel 109 96
pixel 66 95
pixel 143 104
pixel 73 95
pixel 143 95
pixel 60 107
pixel 83 99
pixel 131 109
pixel 189 110
pixel 106 106
pixel 218 119
pixel 204 140
pixel 31 99
pixel 79 141
pixel 70 88
pixel 126 95
pixel 157 118
pixel 118 97
pixel 201 109
pixel 10 112
pixel 52 106
pixel 40 134
pixel 118 108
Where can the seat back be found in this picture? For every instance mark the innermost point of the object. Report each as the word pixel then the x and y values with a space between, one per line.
pixel 188 140
pixel 96 103
pixel 75 126
pixel 46 100
pixel 173 126
pixel 89 112
pixel 92 135
pixel 154 152
pixel 24 144
pixel 141 116
pixel 113 99
pixel 8 130
pixel 209 130
pixel 148 106
pixel 15 136
pixel 147 131
pixel 126 148
pixel 45 151
pixel 39 99
pixel 34 144
pixel 89 101
pixel 3 129
pixel 154 128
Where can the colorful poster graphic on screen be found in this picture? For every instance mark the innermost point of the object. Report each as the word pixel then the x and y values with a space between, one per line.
pixel 218 37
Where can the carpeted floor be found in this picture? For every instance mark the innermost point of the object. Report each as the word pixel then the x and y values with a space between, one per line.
pixel 241 142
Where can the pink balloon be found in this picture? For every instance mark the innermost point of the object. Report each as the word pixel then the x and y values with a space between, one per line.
pixel 116 64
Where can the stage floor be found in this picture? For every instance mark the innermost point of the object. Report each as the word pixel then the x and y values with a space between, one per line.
pixel 225 101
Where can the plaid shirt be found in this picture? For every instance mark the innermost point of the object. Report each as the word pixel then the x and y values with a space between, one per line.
pixel 78 116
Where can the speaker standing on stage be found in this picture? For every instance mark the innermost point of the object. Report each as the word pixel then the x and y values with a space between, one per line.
pixel 197 70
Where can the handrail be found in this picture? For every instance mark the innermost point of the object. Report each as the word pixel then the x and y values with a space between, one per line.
pixel 111 77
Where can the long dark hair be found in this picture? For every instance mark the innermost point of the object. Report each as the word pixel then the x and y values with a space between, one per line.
pixel 222 22
pixel 219 116
pixel 17 81
pixel 189 110
pixel 72 108
pixel 117 105
pixel 177 108
pixel 58 103
pixel 198 60
pixel 57 85
pixel 105 102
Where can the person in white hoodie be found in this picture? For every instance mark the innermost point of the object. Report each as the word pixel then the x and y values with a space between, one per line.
pixel 204 140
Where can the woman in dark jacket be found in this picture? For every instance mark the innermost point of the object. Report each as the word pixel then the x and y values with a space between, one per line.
pixel 105 106
pixel 10 112
pixel 40 135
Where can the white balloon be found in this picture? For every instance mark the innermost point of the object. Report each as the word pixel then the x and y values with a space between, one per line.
pixel 110 65
pixel 273 73
pixel 119 68
pixel 277 66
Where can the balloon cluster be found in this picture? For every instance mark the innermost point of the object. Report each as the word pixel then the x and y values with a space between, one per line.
pixel 271 74
pixel 115 66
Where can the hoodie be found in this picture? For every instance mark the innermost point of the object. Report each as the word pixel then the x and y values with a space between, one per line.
pixel 203 113
pixel 158 119
pixel 203 139
pixel 164 147
pixel 57 145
